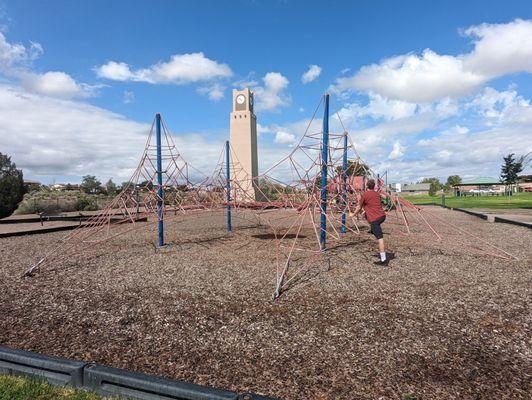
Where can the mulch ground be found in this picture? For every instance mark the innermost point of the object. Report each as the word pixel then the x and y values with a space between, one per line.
pixel 441 322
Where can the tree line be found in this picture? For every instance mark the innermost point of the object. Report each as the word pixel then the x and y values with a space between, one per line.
pixel 12 188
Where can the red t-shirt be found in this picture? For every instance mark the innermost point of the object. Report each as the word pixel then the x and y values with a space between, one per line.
pixel 371 201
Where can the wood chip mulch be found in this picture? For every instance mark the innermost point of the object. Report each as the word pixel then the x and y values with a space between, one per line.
pixel 441 322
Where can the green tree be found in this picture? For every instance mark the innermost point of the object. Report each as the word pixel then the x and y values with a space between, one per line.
pixel 435 185
pixel 145 185
pixel 454 180
pixel 511 168
pixel 111 188
pixel 91 185
pixel 355 168
pixel 126 184
pixel 11 186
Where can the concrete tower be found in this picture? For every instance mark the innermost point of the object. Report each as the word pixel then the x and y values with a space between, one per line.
pixel 243 139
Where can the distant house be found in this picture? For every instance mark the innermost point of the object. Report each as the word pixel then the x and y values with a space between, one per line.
pixel 57 186
pixel 414 188
pixel 73 186
pixel 525 183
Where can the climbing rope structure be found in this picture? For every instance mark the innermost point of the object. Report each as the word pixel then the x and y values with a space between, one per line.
pixel 306 200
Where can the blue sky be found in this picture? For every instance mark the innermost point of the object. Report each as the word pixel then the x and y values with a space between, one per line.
pixel 427 88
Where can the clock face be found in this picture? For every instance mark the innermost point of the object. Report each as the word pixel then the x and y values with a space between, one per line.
pixel 240 99
pixel 251 100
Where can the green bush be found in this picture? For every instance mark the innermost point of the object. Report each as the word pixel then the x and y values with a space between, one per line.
pixel 86 203
pixel 57 202
pixel 12 186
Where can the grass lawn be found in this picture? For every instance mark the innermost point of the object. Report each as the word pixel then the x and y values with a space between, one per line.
pixel 15 388
pixel 519 200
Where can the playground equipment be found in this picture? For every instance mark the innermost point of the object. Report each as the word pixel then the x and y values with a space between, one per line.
pixel 306 199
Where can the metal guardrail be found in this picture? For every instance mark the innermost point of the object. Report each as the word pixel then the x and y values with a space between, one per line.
pixel 57 371
pixel 108 381
pixel 82 222
pixel 474 213
pixel 513 222
pixel 494 217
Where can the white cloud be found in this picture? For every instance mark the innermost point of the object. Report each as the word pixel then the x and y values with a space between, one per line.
pixel 311 74
pixel 283 137
pixel 129 97
pixel 180 69
pixel 379 107
pixel 372 138
pixel 65 137
pixel 15 63
pixel 473 153
pixel 398 151
pixel 495 105
pixel 263 129
pixel 117 71
pixel 272 95
pixel 70 138
pixel 73 138
pixel 447 108
pixel 56 84
pixel 415 78
pixel 214 92
pixel 17 55
pixel 499 49
pixel 247 82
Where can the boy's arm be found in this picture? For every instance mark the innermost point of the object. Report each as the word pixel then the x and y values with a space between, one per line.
pixel 359 206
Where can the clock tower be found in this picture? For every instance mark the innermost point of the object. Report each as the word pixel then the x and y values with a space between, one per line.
pixel 243 140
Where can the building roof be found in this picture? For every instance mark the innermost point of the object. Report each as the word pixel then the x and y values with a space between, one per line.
pixel 481 180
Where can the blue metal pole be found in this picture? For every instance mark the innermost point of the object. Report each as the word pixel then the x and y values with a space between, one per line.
pixel 324 162
pixel 160 192
pixel 344 185
pixel 228 186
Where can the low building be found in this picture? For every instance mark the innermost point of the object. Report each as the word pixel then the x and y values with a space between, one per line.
pixel 414 188
pixel 525 183
pixel 57 186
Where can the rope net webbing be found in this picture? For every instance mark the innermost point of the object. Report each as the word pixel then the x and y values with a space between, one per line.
pixel 285 199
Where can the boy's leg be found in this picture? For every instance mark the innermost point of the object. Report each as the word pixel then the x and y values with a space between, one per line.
pixel 381 245
pixel 382 252
pixel 377 231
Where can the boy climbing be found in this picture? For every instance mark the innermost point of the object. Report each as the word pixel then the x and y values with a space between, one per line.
pixel 370 201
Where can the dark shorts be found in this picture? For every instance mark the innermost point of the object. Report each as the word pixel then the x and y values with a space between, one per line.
pixel 376 227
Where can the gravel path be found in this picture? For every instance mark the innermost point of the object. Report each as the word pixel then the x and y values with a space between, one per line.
pixel 442 322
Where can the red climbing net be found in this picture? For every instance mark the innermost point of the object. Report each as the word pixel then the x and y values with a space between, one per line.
pixel 289 198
